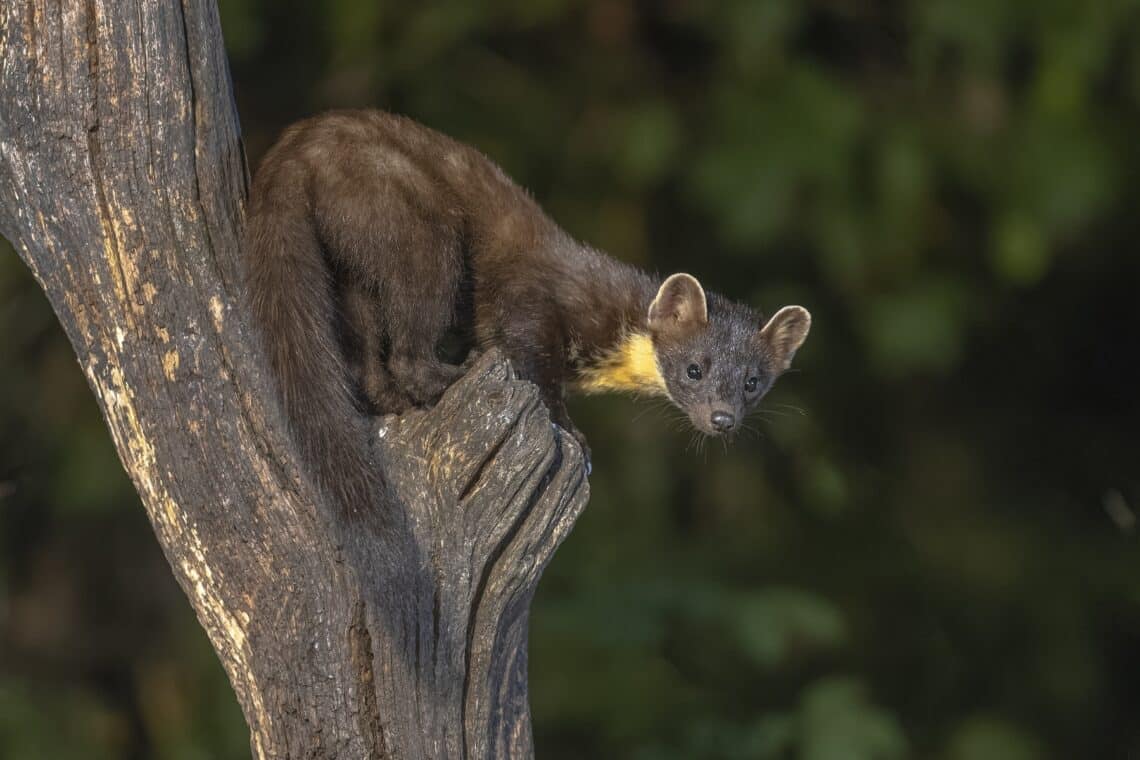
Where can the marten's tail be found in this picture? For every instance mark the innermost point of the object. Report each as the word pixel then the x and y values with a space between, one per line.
pixel 290 291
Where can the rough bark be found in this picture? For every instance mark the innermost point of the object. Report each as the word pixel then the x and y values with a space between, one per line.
pixel 122 183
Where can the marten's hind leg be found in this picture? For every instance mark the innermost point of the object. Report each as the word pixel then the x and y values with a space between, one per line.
pixel 417 308
pixel 381 391
pixel 409 265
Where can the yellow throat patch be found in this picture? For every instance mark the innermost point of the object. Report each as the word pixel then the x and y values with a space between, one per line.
pixel 631 366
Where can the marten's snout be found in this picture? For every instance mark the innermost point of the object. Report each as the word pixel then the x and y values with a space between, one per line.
pixel 723 422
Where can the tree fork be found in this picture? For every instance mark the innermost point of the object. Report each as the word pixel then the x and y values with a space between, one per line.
pixel 122 184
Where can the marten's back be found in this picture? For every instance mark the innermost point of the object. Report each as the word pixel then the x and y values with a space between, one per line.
pixel 341 159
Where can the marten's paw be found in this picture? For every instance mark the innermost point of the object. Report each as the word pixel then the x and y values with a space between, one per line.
pixel 423 380
pixel 384 395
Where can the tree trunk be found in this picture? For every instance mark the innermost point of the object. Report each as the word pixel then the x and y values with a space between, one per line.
pixel 122 183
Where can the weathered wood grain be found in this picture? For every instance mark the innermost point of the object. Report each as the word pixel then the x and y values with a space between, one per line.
pixel 122 183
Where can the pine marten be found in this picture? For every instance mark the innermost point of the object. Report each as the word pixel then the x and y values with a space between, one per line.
pixel 370 238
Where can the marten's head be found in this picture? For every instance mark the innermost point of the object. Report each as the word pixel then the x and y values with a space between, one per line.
pixel 717 358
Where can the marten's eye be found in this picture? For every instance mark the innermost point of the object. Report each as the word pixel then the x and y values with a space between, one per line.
pixel 694 372
pixel 750 384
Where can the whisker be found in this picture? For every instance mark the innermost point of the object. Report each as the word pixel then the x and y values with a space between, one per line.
pixel 781 413
pixel 693 441
pixel 702 445
pixel 756 432
pixel 793 408
pixel 642 413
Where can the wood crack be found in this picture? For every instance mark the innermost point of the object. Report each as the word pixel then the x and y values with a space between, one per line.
pixel 367 710
pixel 489 567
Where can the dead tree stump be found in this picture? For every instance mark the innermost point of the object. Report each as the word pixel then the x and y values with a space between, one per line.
pixel 122 184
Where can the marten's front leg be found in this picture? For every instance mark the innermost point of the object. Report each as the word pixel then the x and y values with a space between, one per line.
pixel 543 362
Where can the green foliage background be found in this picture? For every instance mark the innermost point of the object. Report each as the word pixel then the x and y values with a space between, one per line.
pixel 928 549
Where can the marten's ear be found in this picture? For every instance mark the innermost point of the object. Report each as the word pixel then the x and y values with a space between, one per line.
pixel 785 333
pixel 679 305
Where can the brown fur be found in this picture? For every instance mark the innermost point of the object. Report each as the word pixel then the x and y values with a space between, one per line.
pixel 371 238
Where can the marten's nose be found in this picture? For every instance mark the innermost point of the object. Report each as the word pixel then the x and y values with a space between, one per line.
pixel 723 421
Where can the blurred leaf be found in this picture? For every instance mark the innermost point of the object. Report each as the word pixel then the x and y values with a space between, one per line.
pixel 990 738
pixel 1020 254
pixel 352 27
pixel 652 134
pixel 772 737
pixel 1063 172
pixel 839 723
pixel 770 144
pixel 757 31
pixel 47 725
pixel 777 624
pixel 918 330
pixel 974 30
